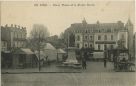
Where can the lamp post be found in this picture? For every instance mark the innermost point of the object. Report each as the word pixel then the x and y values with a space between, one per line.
pixel 57 56
pixel 39 52
pixel 67 43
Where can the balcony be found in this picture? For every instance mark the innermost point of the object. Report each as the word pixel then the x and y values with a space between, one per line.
pixel 105 42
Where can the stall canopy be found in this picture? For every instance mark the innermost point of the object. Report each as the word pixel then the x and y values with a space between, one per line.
pixel 48 46
pixel 42 56
pixel 50 51
pixel 98 55
pixel 24 57
pixel 60 51
pixel 60 54
pixel 23 51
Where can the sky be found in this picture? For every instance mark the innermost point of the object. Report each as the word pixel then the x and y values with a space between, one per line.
pixel 57 17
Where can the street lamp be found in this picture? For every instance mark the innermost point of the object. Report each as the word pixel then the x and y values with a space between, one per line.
pixel 67 43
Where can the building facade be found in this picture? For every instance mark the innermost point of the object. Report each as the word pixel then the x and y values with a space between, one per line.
pixel 12 37
pixel 101 36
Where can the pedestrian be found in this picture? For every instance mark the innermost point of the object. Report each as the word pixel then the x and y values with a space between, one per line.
pixel 84 64
pixel 105 62
pixel 46 58
pixel 114 62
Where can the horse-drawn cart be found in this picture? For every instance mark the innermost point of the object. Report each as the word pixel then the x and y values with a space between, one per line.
pixel 122 61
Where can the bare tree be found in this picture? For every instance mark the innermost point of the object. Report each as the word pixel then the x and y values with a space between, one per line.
pixel 61 35
pixel 38 38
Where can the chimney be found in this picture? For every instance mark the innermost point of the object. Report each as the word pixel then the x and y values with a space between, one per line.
pixel 24 27
pixel 18 26
pixel 6 25
pixel 15 25
pixel 98 22
pixel 120 23
pixel 11 25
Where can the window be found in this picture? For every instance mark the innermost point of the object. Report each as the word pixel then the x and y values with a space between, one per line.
pixel 122 36
pixel 105 47
pixel 99 37
pixel 24 35
pixel 85 45
pixel 86 37
pixel 88 31
pixel 99 47
pixel 91 46
pixel 78 38
pixel 111 46
pixel 22 44
pixel 111 37
pixel 109 30
pixel 77 45
pixel 105 37
pixel 91 37
pixel 17 35
pixel 16 43
pixel 4 44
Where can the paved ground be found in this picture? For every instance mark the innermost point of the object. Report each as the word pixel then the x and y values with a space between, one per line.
pixel 99 67
pixel 95 75
pixel 70 79
pixel 91 67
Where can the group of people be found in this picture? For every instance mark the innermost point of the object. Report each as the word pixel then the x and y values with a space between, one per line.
pixel 84 64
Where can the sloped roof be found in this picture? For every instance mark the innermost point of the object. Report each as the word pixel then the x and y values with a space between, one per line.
pixel 23 51
pixel 60 51
pixel 99 26
pixel 49 46
pixel 42 56
pixel 129 22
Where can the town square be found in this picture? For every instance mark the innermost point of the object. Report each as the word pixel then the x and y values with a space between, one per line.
pixel 71 44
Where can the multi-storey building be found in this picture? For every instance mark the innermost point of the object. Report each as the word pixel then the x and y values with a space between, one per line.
pixel 12 37
pixel 101 36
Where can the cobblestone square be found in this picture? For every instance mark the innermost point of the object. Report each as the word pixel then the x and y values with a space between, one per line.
pixel 94 75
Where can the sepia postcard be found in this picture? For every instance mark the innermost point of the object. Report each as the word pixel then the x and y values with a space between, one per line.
pixel 68 43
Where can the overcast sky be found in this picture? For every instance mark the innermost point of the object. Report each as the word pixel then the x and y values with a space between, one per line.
pixel 59 18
